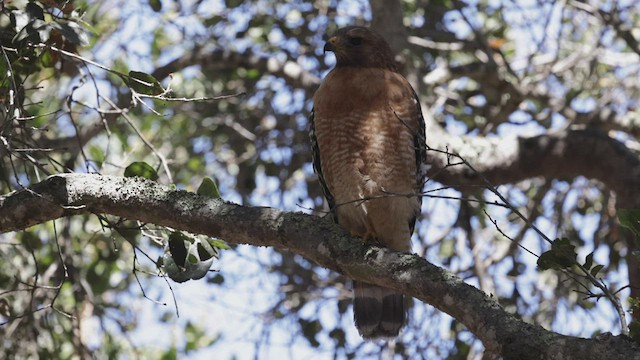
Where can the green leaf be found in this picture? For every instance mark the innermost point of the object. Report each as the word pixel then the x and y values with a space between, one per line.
pixel 339 336
pixel 232 3
pixel 35 11
pixel 549 260
pixel 141 169
pixel 96 154
pixel 561 256
pixel 343 305
pixel 72 32
pixel 156 5
pixel 208 187
pixel 217 279
pixel 253 74
pixel 209 22
pixel 630 218
pixel 206 252
pixel 596 269
pixel 217 243
pixel 130 233
pixel 24 25
pixel 447 248
pixel 462 349
pixel 588 262
pixel 144 83
pixel 565 251
pixel 48 59
pixel 196 338
pixel 310 329
pixel 178 248
pixel 634 330
pixel 193 259
pixel 170 354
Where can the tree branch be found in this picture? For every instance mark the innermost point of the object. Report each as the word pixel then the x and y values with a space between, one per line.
pixel 224 60
pixel 316 239
pixel 554 155
pixel 564 154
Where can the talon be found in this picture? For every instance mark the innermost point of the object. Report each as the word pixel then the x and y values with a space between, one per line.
pixel 370 238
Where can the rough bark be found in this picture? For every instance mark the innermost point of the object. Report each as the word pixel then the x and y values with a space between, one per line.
pixel 387 20
pixel 555 155
pixel 316 239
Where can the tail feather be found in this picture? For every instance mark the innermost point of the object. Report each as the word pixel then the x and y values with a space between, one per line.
pixel 378 312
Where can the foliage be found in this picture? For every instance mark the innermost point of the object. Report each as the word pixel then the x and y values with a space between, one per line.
pixel 154 89
pixel 561 256
pixel 141 169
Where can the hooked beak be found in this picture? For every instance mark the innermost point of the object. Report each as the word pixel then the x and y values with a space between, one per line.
pixel 330 45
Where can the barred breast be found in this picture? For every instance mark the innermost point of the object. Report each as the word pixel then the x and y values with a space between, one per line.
pixel 367 154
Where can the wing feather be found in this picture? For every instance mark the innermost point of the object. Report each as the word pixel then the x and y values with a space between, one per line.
pixel 420 145
pixel 317 166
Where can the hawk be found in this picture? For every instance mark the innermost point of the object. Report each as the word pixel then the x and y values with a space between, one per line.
pixel 368 140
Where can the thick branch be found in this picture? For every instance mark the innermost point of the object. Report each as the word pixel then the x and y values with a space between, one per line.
pixel 562 155
pixel 316 239
pixel 387 20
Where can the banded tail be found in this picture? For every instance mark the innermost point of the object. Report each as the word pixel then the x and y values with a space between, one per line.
pixel 378 312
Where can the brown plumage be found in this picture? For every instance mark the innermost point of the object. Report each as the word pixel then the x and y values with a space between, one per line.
pixel 367 134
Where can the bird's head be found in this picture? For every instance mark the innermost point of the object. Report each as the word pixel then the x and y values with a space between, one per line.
pixel 357 46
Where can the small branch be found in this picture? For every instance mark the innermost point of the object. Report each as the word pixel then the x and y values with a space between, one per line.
pixel 198 99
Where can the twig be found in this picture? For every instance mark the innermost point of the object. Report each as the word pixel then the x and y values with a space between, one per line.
pixel 495 223
pixel 197 99
pixel 131 123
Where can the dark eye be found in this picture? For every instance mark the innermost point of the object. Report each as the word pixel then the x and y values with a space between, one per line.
pixel 355 41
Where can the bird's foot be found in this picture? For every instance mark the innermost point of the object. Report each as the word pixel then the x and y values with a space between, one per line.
pixel 370 238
